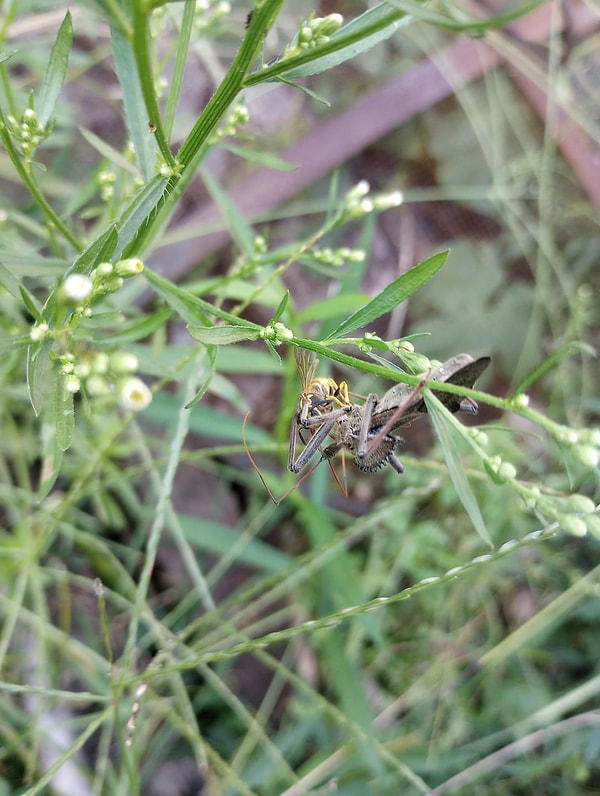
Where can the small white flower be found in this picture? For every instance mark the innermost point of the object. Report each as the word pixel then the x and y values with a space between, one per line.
pixel 39 332
pixel 134 395
pixel 72 384
pixel 77 288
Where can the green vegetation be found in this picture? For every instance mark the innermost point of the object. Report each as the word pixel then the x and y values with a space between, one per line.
pixel 164 627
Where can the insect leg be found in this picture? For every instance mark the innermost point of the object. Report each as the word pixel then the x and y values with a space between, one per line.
pixel 395 462
pixel 365 424
pixel 313 445
pixel 394 419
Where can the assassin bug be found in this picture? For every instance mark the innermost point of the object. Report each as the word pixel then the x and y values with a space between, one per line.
pixel 375 445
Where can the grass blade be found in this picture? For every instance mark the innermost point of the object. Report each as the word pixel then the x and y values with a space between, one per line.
pixel 136 114
pixel 448 434
pixel 54 77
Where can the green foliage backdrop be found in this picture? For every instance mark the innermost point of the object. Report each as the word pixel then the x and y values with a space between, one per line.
pixel 192 193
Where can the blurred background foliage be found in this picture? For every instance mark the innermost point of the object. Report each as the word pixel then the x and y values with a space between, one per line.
pixel 164 628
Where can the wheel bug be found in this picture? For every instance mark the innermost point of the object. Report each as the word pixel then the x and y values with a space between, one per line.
pixel 374 445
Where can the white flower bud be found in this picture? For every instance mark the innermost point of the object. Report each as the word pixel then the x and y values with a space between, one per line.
pixel 77 288
pixel 134 394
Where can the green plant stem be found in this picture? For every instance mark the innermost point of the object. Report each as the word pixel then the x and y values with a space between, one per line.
pixel 141 52
pixel 197 144
pixel 183 43
pixel 52 219
pixel 118 18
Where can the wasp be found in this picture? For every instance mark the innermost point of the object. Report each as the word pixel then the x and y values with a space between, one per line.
pixel 321 404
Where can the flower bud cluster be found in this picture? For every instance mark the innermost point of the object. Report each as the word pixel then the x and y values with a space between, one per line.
pixel 276 333
pixel 503 471
pixel 106 182
pixel 575 514
pixel 313 32
pixel 209 15
pixel 584 444
pixel 369 341
pixel 237 117
pixel 28 132
pixel 97 372
pixel 103 374
pixel 358 203
pixel 338 257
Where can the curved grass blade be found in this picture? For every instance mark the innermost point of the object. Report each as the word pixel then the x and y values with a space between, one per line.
pixel 448 432
pixel 136 114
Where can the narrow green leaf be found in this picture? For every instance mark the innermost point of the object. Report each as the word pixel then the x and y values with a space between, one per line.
pixel 358 36
pixel 184 304
pixel 204 420
pixel 466 24
pixel 109 152
pixel 6 55
pixel 242 359
pixel 11 341
pixel 312 94
pixel 281 308
pixel 138 329
pixel 136 115
pixel 222 335
pixel 49 92
pixel 552 361
pixel 9 282
pixel 31 303
pixel 395 293
pixel 446 429
pixel 64 415
pixel 210 353
pixel 192 309
pixel 40 375
pixel 219 539
pixel 266 159
pixel 139 213
pixel 52 457
pixel 101 249
pixel 273 352
pixel 350 685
